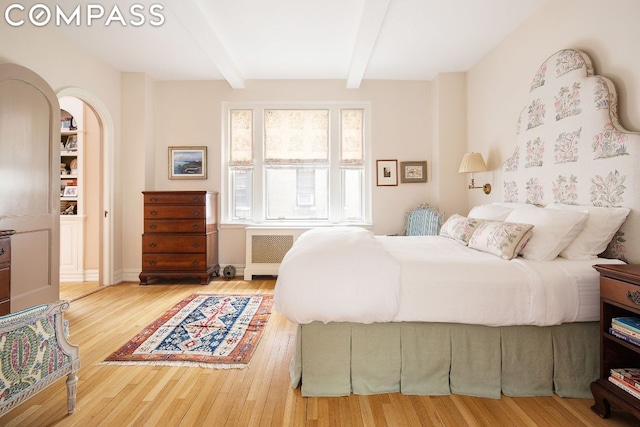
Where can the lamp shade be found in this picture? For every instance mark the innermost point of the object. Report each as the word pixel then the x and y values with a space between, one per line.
pixel 472 162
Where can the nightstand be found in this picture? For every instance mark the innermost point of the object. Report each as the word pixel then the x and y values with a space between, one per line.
pixel 619 297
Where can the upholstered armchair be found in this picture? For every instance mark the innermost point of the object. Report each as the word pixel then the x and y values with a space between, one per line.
pixel 35 352
pixel 423 221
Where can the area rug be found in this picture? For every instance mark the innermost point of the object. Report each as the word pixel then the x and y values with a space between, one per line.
pixel 207 330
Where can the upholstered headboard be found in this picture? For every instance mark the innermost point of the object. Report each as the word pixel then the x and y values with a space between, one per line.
pixel 571 148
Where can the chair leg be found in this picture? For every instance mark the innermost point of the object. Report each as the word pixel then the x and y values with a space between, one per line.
pixel 72 383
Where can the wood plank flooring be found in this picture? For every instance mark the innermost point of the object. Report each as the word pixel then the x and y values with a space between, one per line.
pixel 259 395
pixel 72 291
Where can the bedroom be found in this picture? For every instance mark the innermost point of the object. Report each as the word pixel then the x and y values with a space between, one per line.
pixel 606 30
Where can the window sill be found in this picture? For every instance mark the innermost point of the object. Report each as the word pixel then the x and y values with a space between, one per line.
pixel 291 224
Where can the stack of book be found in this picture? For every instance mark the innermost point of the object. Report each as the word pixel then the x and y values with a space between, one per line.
pixel 627 379
pixel 626 328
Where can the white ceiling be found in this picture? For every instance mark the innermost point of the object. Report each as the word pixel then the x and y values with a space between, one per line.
pixel 352 40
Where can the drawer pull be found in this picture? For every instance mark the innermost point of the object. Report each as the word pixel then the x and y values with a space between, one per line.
pixel 195 200
pixel 153 244
pixel 153 226
pixel 195 262
pixel 152 262
pixel 634 297
pixel 154 199
pixel 2 251
pixel 195 245
pixel 195 226
pixel 154 212
pixel 196 213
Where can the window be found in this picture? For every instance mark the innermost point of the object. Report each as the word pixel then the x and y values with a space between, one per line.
pixel 294 163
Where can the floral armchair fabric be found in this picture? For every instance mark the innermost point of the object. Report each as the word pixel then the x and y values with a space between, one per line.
pixel 34 352
pixel 571 148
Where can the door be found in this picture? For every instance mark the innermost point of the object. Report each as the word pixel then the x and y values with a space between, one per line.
pixel 29 184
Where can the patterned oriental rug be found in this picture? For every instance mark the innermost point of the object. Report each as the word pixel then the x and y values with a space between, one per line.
pixel 212 331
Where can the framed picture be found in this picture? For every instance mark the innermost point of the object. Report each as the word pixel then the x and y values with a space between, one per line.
pixel 386 172
pixel 413 172
pixel 188 162
pixel 70 191
pixel 72 143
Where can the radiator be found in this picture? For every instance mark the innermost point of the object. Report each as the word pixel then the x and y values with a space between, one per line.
pixel 265 248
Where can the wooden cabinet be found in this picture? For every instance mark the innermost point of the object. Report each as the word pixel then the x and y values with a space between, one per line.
pixel 180 235
pixel 619 297
pixel 5 271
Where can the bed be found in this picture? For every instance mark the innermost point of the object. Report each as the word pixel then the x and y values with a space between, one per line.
pixel 505 300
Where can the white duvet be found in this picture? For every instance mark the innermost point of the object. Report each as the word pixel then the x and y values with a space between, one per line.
pixel 346 274
pixel 338 274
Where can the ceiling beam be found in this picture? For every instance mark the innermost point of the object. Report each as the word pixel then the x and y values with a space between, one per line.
pixel 371 20
pixel 194 18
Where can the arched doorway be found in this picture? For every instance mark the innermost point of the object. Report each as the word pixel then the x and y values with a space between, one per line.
pixel 105 179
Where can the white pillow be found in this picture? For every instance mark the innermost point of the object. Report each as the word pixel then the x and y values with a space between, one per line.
pixel 553 230
pixel 490 212
pixel 602 225
pixel 460 228
pixel 503 239
pixel 514 205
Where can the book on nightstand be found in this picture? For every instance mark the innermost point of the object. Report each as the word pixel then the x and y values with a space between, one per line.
pixel 623 335
pixel 624 386
pixel 632 323
pixel 631 376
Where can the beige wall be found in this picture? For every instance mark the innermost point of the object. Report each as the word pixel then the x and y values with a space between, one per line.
pixel 189 113
pixel 92 178
pixel 497 86
pixel 449 115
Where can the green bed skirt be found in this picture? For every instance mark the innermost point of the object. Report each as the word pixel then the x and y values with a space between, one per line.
pixel 337 359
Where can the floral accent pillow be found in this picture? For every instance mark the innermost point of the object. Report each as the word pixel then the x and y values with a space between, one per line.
pixel 503 239
pixel 460 228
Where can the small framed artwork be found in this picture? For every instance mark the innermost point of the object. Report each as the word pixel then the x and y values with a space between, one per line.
pixel 413 172
pixel 70 191
pixel 386 172
pixel 188 162
pixel 72 143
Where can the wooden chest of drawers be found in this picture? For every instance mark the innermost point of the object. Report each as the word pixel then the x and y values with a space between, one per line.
pixel 5 271
pixel 180 237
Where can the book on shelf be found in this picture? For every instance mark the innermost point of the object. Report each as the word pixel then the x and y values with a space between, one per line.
pixel 624 336
pixel 624 386
pixel 630 322
pixel 625 330
pixel 631 376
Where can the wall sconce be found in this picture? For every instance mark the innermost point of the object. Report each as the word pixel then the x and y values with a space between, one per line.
pixel 473 162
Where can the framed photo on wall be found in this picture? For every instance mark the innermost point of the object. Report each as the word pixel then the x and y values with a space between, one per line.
pixel 386 172
pixel 413 172
pixel 188 162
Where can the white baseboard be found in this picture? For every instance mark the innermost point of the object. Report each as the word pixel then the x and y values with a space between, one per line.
pixel 79 276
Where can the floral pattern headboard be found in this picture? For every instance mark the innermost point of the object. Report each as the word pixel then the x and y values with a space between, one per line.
pixel 572 149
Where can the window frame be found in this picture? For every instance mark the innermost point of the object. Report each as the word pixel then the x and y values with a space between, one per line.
pixel 258 166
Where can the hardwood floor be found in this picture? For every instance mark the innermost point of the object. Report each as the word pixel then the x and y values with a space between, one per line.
pixel 258 395
pixel 72 291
